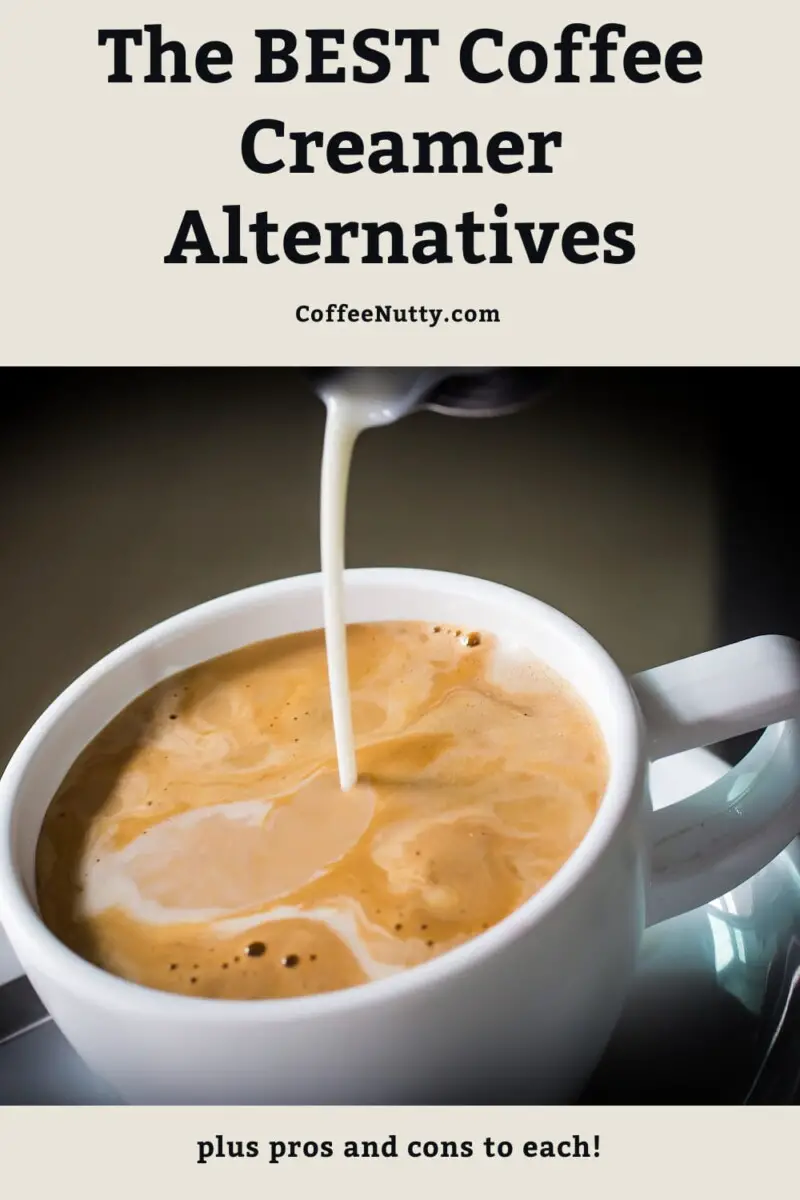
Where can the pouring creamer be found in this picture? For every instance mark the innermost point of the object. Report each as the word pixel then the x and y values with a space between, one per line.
pixel 360 398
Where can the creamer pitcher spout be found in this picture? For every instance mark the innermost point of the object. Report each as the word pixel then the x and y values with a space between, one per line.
pixel 455 391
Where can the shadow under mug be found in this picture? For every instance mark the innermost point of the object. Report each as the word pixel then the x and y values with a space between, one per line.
pixel 522 1012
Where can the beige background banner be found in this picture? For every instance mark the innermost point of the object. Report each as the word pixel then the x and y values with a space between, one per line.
pixel 664 1152
pixel 97 176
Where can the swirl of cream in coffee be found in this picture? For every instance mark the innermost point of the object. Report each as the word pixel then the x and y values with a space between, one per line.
pixel 202 844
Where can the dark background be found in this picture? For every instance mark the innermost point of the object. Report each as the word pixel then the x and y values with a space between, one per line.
pixel 657 507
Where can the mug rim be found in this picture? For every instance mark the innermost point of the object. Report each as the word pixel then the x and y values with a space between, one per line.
pixel 97 985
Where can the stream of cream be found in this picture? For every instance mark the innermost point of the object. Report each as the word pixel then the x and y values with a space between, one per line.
pixel 362 399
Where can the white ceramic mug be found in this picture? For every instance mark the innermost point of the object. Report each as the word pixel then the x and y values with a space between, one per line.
pixel 524 1010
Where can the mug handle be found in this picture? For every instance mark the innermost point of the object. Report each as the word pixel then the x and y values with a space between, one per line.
pixel 706 845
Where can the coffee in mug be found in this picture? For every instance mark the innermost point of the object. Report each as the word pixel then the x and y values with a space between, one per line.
pixel 201 844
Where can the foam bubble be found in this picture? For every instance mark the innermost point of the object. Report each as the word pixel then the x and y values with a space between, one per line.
pixel 376 953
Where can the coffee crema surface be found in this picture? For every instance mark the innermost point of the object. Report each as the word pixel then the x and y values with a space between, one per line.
pixel 201 843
